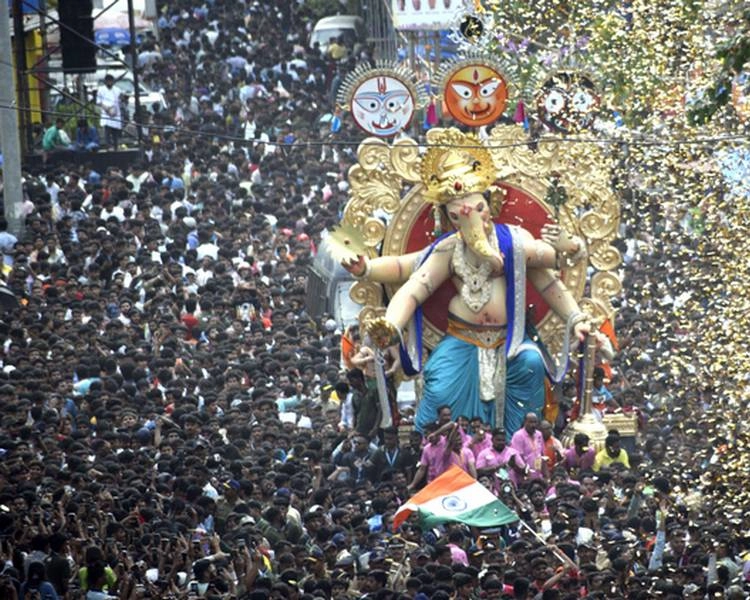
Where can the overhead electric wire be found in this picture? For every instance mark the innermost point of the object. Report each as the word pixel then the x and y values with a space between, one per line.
pixel 630 141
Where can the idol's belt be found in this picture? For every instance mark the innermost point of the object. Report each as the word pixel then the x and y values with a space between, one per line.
pixel 483 336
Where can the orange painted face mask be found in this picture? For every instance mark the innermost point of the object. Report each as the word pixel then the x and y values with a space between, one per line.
pixel 476 95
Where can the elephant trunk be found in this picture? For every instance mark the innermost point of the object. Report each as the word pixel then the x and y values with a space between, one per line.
pixel 475 234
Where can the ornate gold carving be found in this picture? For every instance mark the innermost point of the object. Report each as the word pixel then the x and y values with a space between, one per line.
pixel 597 226
pixel 405 159
pixel 374 230
pixel 626 425
pixel 376 183
pixel 591 426
pixel 604 257
pixel 372 190
pixel 582 171
pixel 382 331
pixel 366 293
pixel 596 310
pixel 373 153
pixel 368 313
pixel 605 285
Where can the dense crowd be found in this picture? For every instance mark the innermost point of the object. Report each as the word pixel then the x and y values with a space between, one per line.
pixel 175 424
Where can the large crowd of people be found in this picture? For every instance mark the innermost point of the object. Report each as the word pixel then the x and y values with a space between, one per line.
pixel 176 425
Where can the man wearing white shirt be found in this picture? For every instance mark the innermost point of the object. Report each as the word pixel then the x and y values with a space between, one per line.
pixel 347 407
pixel 137 176
pixel 52 189
pixel 206 249
pixel 205 271
pixel 110 209
pixel 108 99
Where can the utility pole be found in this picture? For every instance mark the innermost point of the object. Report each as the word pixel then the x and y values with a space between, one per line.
pixel 413 65
pixel 137 117
pixel 22 78
pixel 11 146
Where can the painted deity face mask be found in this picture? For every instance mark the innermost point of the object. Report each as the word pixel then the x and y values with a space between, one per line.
pixel 382 106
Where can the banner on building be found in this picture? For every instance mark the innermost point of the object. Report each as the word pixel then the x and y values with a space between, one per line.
pixel 425 15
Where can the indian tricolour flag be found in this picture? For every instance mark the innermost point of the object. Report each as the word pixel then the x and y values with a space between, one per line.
pixel 455 496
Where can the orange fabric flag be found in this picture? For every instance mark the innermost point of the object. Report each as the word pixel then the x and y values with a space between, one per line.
pixel 608 329
pixel 347 348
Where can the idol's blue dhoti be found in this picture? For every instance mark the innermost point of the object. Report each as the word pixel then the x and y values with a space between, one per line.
pixel 451 377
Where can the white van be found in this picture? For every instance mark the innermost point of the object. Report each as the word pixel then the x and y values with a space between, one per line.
pixel 328 286
pixel 350 27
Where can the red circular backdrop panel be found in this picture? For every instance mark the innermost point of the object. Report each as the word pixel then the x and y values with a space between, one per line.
pixel 519 208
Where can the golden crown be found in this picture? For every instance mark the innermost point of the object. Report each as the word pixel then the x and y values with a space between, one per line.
pixel 455 164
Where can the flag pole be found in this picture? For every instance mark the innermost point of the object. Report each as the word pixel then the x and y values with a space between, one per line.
pixel 559 555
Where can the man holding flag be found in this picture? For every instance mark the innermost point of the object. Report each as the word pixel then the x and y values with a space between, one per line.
pixel 441 453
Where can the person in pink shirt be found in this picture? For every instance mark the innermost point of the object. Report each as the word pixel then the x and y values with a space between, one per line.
pixel 481 440
pixel 444 415
pixel 529 444
pixel 440 453
pixel 580 457
pixel 463 424
pixel 439 427
pixel 456 454
pixel 475 435
pixel 559 476
pixel 458 554
pixel 430 460
pixel 500 456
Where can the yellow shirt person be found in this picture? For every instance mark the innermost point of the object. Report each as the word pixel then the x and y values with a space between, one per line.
pixel 611 453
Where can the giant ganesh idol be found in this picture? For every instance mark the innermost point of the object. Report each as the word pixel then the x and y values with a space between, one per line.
pixel 488 363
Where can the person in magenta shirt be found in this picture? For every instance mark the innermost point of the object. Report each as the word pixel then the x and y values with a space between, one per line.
pixel 441 453
pixel 580 457
pixel 429 465
pixel 529 444
pixel 458 554
pixel 476 435
pixel 500 456
pixel 432 457
pixel 480 440
pixel 459 455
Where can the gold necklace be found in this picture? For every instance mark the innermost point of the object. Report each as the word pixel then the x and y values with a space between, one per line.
pixel 475 291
